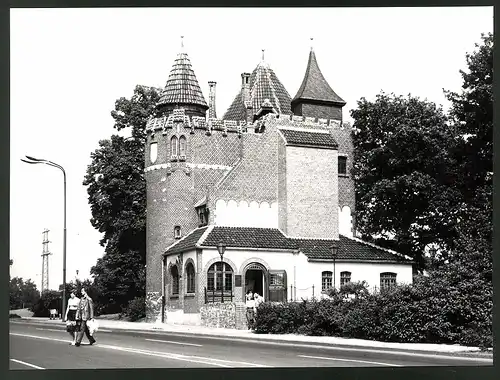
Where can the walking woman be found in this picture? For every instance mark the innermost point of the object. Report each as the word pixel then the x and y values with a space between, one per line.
pixel 70 316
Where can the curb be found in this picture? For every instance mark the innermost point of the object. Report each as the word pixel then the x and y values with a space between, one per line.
pixel 260 338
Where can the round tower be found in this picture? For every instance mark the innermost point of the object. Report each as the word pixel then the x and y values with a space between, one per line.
pixel 182 162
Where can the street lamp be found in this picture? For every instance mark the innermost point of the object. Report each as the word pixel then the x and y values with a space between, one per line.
pixel 221 247
pixel 32 160
pixel 334 250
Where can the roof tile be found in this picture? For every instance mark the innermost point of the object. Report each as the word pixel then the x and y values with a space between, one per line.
pixel 314 85
pixel 295 137
pixel 182 86
pixel 272 238
pixel 264 84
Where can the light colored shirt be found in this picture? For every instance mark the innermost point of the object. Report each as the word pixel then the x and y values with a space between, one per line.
pixel 73 303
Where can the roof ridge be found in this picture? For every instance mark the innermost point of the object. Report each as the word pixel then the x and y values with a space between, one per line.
pixel 182 238
pixel 203 236
pixel 376 246
pixel 299 129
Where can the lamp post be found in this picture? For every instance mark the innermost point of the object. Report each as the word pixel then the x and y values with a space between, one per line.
pixel 221 247
pixel 334 249
pixel 32 160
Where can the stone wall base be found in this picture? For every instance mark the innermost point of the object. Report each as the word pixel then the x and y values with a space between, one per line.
pixel 221 315
pixel 178 317
pixel 153 307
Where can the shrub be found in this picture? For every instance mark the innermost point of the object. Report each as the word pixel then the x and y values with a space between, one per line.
pixel 362 318
pixel 431 310
pixel 14 316
pixel 136 309
pixel 49 299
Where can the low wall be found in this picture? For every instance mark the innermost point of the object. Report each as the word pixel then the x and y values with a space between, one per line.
pixel 229 315
pixel 153 306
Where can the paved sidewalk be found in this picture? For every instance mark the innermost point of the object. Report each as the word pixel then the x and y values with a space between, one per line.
pixel 285 338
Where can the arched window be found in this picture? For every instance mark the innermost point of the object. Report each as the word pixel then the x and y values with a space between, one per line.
pixel 182 147
pixel 345 277
pixel 326 280
pixel 173 147
pixel 387 280
pixel 175 280
pixel 220 277
pixel 177 232
pixel 190 276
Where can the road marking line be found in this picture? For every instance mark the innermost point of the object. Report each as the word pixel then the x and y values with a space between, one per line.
pixel 26 364
pixel 58 330
pixel 168 355
pixel 63 330
pixel 162 355
pixel 398 352
pixel 169 341
pixel 349 360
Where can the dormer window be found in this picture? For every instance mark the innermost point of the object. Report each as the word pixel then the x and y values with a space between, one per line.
pixel 177 232
pixel 202 216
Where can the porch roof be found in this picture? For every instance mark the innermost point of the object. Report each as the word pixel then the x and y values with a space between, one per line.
pixel 349 248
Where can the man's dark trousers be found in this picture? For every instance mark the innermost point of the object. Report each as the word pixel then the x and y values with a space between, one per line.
pixel 84 330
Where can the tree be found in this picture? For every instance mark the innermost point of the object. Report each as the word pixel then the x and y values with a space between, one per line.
pixel 117 195
pixel 472 115
pixel 23 294
pixel 404 173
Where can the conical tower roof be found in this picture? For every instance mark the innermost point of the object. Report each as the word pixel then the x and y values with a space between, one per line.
pixel 263 84
pixel 182 86
pixel 315 87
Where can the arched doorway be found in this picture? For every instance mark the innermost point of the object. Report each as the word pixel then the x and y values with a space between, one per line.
pixel 256 280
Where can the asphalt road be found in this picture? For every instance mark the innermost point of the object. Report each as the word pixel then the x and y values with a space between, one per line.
pixel 37 346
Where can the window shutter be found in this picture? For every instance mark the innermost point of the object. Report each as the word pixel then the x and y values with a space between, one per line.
pixel 277 286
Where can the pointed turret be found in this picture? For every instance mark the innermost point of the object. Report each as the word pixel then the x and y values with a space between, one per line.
pixel 315 97
pixel 262 84
pixel 182 88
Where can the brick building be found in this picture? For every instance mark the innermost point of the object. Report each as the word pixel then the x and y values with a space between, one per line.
pixel 270 181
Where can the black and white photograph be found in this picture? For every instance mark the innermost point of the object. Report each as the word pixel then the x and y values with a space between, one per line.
pixel 251 187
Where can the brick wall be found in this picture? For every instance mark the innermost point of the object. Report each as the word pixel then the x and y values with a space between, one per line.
pixel 255 177
pixel 344 138
pixel 282 196
pixel 318 111
pixel 312 192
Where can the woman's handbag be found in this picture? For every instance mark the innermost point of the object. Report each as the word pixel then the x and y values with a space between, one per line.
pixel 70 326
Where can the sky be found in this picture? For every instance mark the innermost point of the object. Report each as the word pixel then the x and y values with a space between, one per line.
pixel 68 67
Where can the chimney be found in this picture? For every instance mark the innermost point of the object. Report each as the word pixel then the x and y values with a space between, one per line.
pixel 211 100
pixel 247 101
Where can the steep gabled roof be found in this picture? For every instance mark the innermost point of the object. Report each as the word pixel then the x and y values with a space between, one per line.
pixel 182 86
pixel 315 87
pixel 264 84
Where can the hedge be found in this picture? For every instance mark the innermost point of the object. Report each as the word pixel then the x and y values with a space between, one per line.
pixel 425 312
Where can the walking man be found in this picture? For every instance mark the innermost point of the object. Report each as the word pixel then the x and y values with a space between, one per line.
pixel 84 313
